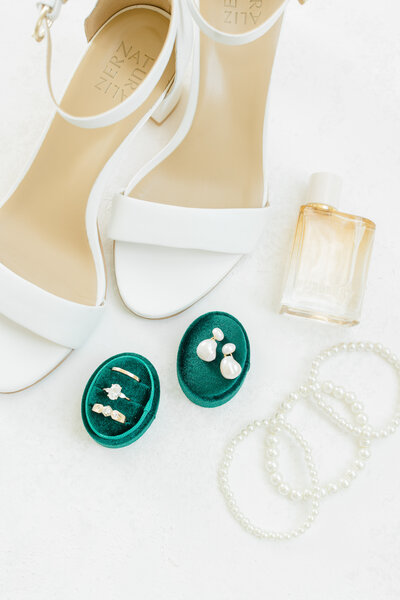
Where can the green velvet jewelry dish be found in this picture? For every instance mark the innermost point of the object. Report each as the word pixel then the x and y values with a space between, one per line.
pixel 201 381
pixel 140 410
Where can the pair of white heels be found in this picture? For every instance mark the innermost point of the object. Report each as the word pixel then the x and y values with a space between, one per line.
pixel 185 219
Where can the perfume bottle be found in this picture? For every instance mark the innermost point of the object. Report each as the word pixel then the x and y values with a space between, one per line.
pixel 330 257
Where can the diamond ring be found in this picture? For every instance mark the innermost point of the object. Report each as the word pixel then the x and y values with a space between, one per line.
pixel 114 392
pixel 107 411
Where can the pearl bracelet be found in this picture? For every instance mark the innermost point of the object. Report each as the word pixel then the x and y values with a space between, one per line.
pixel 358 427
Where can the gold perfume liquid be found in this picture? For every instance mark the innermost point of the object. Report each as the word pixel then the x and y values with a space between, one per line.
pixel 330 258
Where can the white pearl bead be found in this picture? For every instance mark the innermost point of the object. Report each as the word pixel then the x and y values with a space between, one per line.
pixel 284 489
pixel 276 479
pixel 364 453
pixel 327 387
pixel 230 368
pixel 332 488
pixel 271 441
pixel 207 350
pixel 271 466
pixel 338 393
pixel 362 419
pixel 364 442
pixel 272 452
pixel 228 349
pixel 356 408
pixel 349 398
pixel 218 334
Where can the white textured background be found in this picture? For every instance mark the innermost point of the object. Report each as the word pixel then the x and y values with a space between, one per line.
pixel 148 522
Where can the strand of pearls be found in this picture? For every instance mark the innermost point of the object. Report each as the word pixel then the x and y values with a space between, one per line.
pixel 362 419
pixel 314 391
pixel 273 427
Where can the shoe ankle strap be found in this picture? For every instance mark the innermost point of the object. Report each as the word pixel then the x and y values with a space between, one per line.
pixel 50 10
pixel 235 39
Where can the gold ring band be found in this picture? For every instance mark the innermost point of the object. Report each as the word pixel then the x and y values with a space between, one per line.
pixel 131 375
pixel 107 411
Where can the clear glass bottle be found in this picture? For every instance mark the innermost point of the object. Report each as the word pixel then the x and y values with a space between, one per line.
pixel 330 258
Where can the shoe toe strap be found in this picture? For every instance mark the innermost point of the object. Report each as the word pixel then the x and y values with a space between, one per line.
pixel 231 231
pixel 61 321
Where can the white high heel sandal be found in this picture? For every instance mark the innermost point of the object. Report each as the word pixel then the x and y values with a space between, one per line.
pixel 52 275
pixel 188 217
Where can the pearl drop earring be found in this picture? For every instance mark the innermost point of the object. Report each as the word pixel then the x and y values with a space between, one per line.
pixel 207 349
pixel 230 368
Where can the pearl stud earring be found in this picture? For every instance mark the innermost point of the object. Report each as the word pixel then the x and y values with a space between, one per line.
pixel 230 368
pixel 207 349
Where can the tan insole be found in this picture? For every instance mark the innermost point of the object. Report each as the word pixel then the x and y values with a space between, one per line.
pixel 42 226
pixel 220 162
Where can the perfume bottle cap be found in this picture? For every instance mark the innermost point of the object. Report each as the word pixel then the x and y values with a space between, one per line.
pixel 325 189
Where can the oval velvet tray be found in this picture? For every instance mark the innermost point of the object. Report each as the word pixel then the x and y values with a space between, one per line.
pixel 140 410
pixel 200 381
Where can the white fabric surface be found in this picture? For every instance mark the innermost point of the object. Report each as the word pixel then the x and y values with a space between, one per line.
pixel 81 521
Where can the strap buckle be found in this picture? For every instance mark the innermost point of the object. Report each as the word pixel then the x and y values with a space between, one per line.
pixel 49 11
